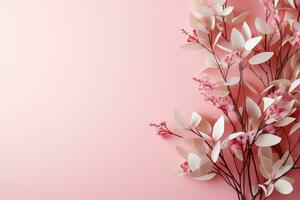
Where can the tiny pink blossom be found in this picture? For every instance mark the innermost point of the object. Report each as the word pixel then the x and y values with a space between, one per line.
pixel 241 142
pixel 270 129
pixel 275 111
pixel 161 129
pixel 185 168
pixel 205 83
pixel 223 103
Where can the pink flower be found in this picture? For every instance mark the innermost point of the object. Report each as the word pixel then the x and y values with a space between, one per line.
pixel 241 142
pixel 223 103
pixel 277 93
pixel 234 57
pixel 275 111
pixel 161 129
pixel 185 168
pixel 205 83
pixel 270 129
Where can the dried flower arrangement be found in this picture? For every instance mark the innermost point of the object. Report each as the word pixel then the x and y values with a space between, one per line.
pixel 253 145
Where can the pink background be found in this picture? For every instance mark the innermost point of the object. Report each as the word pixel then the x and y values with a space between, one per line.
pixel 79 82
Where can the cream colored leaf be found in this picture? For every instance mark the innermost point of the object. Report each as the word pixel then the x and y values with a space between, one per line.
pixel 241 18
pixel 252 108
pixel 283 186
pixel 193 161
pixel 237 39
pixel 268 102
pixel 260 58
pixel 284 121
pixel 294 85
pixel 294 128
pixel 251 43
pixel 216 151
pixel 246 31
pixel 267 140
pixel 196 119
pixel 180 120
pixel 292 3
pixel 251 88
pixel 206 177
pixel 262 26
pixel 204 126
pixel 181 151
pixel 281 83
pixel 233 81
pixel 218 129
pixel 226 11
pixel 204 10
pixel 217 38
pixel 201 147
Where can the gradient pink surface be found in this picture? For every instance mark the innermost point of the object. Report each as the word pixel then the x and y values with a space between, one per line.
pixel 79 82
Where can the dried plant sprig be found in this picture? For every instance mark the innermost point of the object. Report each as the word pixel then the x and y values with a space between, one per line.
pixel 254 144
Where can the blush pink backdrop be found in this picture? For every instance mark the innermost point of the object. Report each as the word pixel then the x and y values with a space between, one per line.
pixel 79 82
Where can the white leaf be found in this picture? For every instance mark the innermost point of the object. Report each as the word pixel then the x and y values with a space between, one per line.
pixel 283 186
pixel 251 88
pixel 192 46
pixel 181 151
pixel 284 121
pixel 292 3
pixel 194 161
pixel 262 26
pixel 226 11
pixel 218 36
pixel 196 119
pixel 270 190
pixel 252 108
pixel 216 151
pixel 240 18
pixel 268 102
pixel 237 39
pixel 260 58
pixel 206 177
pixel 218 129
pixel 251 43
pixel 227 47
pixel 204 10
pixel 201 147
pixel 180 120
pixel 267 140
pixel 294 85
pixel 294 128
pixel 246 31
pixel 233 80
pixel 195 24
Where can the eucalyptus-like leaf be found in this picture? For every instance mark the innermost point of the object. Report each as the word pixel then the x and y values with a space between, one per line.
pixel 294 85
pixel 205 10
pixel 260 58
pixel 283 186
pixel 237 39
pixel 284 121
pixel 252 108
pixel 181 151
pixel 267 140
pixel 196 119
pixel 180 120
pixel 233 81
pixel 268 102
pixel 226 11
pixel 216 151
pixel 206 177
pixel 246 31
pixel 241 18
pixel 251 43
pixel 294 128
pixel 262 26
pixel 218 129
pixel 193 161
